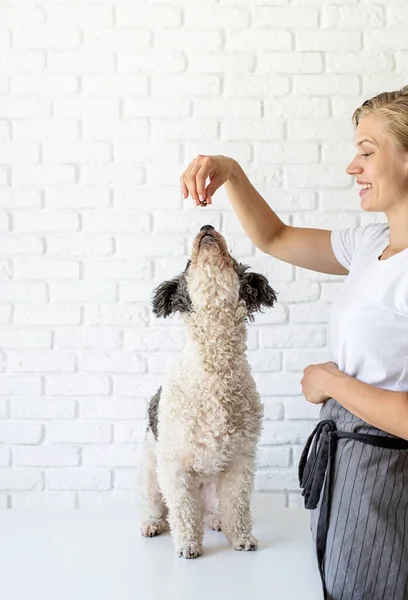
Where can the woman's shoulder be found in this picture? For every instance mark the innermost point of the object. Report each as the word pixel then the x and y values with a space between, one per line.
pixel 363 232
pixel 359 240
pixel 374 230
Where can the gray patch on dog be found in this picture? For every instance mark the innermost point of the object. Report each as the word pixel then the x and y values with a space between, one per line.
pixel 153 412
pixel 255 290
pixel 172 296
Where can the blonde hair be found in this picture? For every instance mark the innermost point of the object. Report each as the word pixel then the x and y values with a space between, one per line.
pixel 393 108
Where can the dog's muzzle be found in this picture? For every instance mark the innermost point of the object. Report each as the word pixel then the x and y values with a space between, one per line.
pixel 208 234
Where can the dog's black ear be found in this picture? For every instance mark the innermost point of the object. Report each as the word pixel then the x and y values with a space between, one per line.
pixel 256 292
pixel 171 297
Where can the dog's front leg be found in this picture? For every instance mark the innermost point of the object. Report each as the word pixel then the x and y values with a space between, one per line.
pixel 235 489
pixel 181 493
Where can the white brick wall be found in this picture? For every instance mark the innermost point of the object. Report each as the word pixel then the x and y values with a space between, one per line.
pixel 102 105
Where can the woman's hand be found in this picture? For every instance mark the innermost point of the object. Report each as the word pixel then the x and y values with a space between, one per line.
pixel 315 381
pixel 217 168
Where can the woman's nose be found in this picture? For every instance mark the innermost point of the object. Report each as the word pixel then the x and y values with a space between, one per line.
pixel 354 167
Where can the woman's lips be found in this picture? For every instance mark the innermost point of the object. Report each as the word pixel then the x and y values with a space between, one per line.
pixel 362 192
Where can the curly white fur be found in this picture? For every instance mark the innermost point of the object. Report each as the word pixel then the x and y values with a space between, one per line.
pixel 209 418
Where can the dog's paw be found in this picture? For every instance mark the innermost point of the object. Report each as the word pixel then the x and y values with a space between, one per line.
pixel 190 550
pixel 247 543
pixel 212 522
pixel 215 524
pixel 153 528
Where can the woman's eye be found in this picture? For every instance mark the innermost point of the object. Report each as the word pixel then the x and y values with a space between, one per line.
pixel 367 154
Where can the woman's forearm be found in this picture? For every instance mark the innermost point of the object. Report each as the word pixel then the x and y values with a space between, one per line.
pixel 385 409
pixel 259 221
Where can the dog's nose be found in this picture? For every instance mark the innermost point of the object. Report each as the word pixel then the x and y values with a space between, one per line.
pixel 207 228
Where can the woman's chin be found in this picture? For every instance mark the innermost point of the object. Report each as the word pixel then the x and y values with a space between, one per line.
pixel 366 204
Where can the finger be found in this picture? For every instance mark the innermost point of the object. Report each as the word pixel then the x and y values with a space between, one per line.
pixel 183 186
pixel 201 178
pixel 193 180
pixel 213 186
pixel 189 181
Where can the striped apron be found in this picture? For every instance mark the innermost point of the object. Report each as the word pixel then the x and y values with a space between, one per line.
pixel 355 480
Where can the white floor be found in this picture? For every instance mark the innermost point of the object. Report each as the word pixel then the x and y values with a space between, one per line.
pixel 84 555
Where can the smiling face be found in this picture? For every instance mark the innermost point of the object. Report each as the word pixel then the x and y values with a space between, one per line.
pixel 380 167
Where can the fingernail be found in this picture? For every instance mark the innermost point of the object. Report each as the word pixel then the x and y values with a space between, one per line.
pixel 201 198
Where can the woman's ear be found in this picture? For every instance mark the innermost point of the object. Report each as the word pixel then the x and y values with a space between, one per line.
pixel 256 292
pixel 171 297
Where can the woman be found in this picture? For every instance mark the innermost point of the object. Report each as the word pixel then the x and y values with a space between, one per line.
pixel 355 478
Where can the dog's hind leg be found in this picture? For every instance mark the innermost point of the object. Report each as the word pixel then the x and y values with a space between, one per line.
pixel 155 509
pixel 212 521
pixel 235 489
pixel 209 502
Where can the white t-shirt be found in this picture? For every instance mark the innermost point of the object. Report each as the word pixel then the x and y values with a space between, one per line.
pixel 368 325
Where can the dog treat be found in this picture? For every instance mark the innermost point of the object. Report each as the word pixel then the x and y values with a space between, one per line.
pixel 203 203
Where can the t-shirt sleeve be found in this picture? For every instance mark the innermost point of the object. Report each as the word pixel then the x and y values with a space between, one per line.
pixel 344 243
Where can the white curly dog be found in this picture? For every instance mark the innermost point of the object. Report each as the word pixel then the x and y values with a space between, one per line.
pixel 204 423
